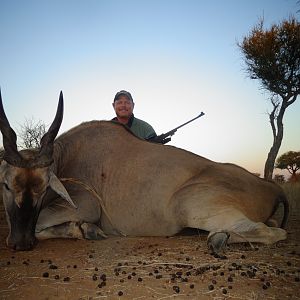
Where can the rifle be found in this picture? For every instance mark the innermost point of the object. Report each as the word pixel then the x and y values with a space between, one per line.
pixel 166 137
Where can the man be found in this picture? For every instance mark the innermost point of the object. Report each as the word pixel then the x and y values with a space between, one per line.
pixel 123 105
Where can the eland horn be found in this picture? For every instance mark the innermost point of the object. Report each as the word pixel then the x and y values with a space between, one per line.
pixel 46 150
pixel 12 156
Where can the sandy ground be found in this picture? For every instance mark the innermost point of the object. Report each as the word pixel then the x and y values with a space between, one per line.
pixel 150 268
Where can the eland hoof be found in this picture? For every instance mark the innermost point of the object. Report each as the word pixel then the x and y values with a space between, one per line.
pixel 217 242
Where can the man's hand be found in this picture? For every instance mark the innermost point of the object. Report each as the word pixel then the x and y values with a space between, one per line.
pixel 160 139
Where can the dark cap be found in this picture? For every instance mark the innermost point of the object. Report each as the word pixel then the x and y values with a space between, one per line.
pixel 123 93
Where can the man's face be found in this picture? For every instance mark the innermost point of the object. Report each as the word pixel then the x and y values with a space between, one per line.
pixel 123 107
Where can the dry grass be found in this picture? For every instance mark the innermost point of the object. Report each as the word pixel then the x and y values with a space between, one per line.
pixel 292 191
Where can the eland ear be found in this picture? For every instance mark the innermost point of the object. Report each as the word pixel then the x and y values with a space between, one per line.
pixel 58 187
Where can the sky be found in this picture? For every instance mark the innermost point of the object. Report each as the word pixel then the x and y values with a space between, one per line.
pixel 178 58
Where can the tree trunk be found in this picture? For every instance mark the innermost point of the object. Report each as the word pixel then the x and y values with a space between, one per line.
pixel 270 162
pixel 277 139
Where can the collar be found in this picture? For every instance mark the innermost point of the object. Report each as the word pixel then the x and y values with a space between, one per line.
pixel 130 121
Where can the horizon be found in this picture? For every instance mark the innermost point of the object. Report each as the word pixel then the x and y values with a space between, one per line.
pixel 177 58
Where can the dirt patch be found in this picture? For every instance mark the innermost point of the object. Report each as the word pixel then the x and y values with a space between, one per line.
pixel 150 268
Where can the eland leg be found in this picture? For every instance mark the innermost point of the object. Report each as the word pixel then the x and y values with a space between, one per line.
pixel 219 213
pixel 73 230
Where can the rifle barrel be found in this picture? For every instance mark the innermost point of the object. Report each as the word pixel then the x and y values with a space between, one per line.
pixel 201 114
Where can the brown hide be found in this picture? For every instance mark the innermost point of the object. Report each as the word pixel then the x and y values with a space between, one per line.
pixel 143 185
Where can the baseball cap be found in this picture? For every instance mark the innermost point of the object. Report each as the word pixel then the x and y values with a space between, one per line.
pixel 123 93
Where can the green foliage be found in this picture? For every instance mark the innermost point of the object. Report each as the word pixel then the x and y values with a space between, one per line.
pixel 289 161
pixel 273 56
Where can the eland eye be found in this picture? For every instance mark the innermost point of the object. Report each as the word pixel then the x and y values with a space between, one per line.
pixel 6 186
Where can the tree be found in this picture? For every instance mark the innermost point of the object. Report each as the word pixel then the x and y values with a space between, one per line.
pixel 279 178
pixel 273 57
pixel 289 161
pixel 31 133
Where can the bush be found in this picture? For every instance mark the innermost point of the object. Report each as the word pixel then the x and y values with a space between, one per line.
pixel 292 191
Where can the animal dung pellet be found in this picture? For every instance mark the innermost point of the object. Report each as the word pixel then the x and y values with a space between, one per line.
pixel 53 267
pixel 103 277
pixel 210 287
pixel 176 288
pixel 264 286
pixel 45 274
pixel 94 277
pixel 120 293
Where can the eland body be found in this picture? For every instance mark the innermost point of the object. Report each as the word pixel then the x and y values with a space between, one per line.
pixel 128 186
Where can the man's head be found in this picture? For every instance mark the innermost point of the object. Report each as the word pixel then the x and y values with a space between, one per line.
pixel 123 106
